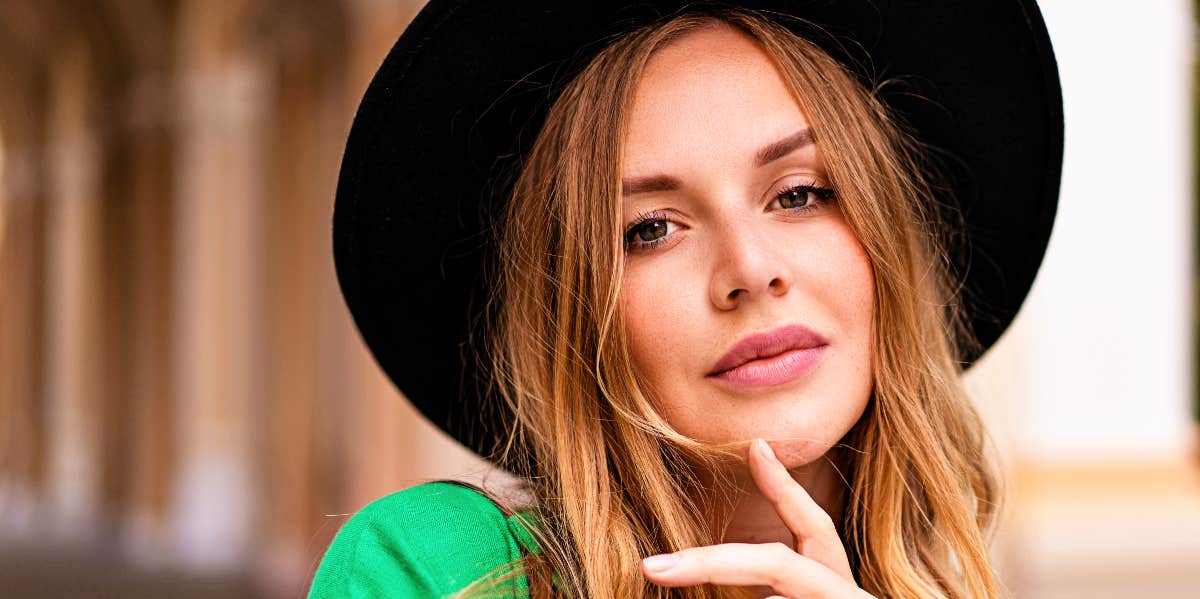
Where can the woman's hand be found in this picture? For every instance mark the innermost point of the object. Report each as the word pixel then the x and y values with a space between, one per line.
pixel 816 568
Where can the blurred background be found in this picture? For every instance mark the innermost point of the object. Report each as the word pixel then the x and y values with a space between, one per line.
pixel 186 409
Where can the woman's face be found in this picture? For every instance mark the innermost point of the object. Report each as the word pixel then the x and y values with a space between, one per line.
pixel 736 254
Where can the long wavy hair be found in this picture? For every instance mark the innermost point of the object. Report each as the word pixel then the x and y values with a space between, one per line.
pixel 610 480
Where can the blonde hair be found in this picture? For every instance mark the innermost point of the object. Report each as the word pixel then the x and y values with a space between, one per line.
pixel 611 480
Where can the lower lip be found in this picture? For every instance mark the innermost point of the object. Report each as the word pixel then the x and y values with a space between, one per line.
pixel 775 370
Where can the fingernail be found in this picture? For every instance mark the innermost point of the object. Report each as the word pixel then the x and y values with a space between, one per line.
pixel 765 450
pixel 660 563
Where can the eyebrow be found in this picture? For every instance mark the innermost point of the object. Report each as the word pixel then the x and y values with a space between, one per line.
pixel 767 154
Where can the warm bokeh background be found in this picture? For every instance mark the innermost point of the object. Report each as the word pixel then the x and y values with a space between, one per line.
pixel 186 409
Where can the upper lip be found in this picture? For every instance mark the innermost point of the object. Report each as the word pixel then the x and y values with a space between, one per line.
pixel 767 344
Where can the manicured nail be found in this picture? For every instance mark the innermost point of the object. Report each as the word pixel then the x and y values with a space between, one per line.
pixel 765 450
pixel 661 563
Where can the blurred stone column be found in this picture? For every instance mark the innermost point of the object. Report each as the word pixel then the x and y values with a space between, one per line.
pixel 74 299
pixel 151 455
pixel 22 296
pixel 305 44
pixel 217 361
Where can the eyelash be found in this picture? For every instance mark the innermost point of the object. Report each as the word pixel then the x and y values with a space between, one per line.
pixel 823 195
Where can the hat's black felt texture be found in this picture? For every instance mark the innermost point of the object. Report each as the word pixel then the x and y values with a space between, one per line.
pixel 461 95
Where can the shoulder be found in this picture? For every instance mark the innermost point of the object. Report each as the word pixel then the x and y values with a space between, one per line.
pixel 427 540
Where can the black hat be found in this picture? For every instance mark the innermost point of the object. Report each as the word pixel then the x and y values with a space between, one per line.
pixel 462 94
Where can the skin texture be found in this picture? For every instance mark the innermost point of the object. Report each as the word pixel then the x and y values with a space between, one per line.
pixel 737 259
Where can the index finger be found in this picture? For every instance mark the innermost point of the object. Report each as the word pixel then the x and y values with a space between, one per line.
pixel 816 535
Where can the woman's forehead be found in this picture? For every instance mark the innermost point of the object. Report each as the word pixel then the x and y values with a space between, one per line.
pixel 711 96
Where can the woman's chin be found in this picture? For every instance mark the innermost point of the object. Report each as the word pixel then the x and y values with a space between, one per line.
pixel 796 452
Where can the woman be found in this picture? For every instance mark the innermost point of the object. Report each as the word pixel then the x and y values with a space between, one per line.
pixel 720 235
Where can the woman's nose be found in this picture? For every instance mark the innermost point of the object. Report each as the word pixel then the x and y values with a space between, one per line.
pixel 746 267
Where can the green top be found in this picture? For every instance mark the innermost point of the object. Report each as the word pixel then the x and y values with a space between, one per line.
pixel 429 540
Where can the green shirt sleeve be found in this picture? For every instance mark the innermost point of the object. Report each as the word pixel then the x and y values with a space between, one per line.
pixel 429 540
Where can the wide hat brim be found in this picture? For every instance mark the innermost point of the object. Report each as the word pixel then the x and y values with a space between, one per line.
pixel 458 100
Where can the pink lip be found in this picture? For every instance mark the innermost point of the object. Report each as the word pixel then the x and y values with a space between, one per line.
pixel 770 358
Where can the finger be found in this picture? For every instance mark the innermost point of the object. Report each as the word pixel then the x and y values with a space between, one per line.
pixel 774 565
pixel 816 535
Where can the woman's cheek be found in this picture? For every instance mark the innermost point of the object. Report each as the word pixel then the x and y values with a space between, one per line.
pixel 858 300
pixel 865 279
pixel 655 316
pixel 848 272
pixel 637 313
